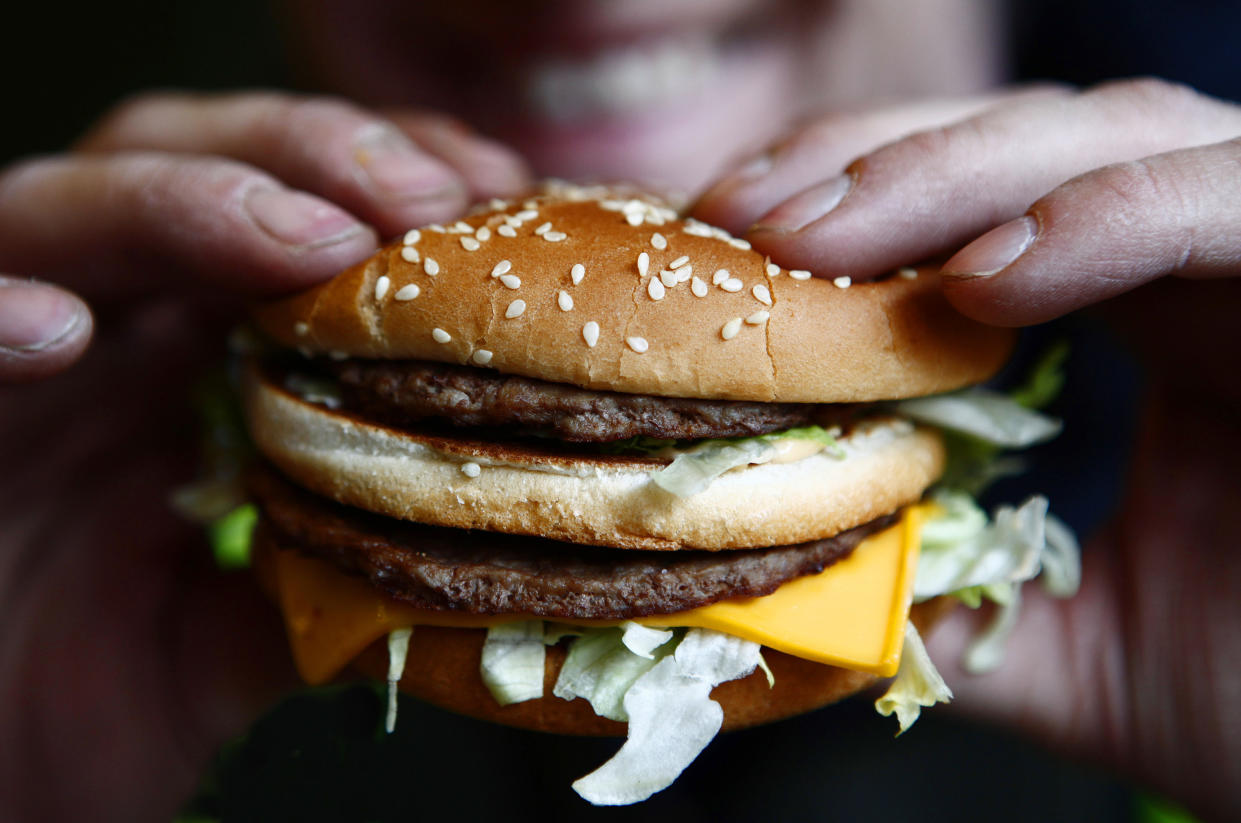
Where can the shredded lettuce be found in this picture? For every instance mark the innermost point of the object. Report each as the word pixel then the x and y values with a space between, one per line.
pixel 231 536
pixel 601 667
pixel 917 684
pixel 1044 382
pixel 512 661
pixel 966 556
pixel 695 468
pixel 672 717
pixel 398 648
pixel 642 640
pixel 986 415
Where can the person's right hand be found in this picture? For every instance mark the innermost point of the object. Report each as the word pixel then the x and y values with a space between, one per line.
pixel 126 659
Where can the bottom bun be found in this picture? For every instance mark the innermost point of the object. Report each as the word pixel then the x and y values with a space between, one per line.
pixel 449 678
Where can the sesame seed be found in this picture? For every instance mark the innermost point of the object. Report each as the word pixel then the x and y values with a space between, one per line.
pixel 577 273
pixel 483 234
pixel 301 329
pixel 463 227
pixel 543 228
pixel 555 236
pixel 696 228
pixel 564 300
pixel 638 344
pixel 436 227
pixel 684 273
pixel 532 203
pixel 431 267
pixel 497 204
pixel 634 218
pixel 337 354
pixel 655 289
pixel 590 333
pixel 908 273
pixel 410 254
pixel 758 318
pixel 527 214
pixel 799 274
pixel 507 231
pixel 512 281
pixel 762 294
pixel 668 278
pixel 679 262
pixel 659 241
pixel 381 286
pixel 720 276
pixel 698 287
pixel 471 469
pixel 469 243
pixel 772 269
pixel 515 309
pixel 731 329
pixel 407 293
pixel 732 284
pixel 644 263
pixel 482 357
pixel 738 243
pixel 411 237
pixel 503 267
pixel 440 336
pixel 843 282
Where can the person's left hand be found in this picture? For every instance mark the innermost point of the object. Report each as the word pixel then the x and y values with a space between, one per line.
pixel 1078 198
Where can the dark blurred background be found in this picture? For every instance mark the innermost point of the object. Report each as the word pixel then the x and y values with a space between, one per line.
pixel 321 757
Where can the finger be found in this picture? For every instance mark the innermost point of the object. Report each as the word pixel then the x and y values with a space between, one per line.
pixel 43 329
pixel 1105 233
pixel 331 148
pixel 933 191
pixel 488 168
pixel 114 225
pixel 824 146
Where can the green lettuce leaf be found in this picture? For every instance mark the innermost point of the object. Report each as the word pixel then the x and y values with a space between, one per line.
pixel 694 469
pixel 398 648
pixel 231 536
pixel 917 684
pixel 601 667
pixel 672 717
pixel 512 661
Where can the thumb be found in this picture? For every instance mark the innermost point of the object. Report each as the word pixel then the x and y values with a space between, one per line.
pixel 43 329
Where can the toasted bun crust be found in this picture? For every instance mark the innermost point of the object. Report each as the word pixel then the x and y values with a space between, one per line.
pixel 821 343
pixel 596 500
pixel 449 678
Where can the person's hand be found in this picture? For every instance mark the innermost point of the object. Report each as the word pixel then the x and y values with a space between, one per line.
pixel 126 660
pixel 1078 197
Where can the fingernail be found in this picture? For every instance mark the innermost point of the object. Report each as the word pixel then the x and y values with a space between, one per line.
pixel 301 220
pixel 390 166
pixel 806 207
pixel 34 317
pixel 993 251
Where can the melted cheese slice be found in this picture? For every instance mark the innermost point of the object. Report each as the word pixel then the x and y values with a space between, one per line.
pixel 852 614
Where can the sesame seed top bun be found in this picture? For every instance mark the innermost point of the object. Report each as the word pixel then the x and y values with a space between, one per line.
pixel 577 286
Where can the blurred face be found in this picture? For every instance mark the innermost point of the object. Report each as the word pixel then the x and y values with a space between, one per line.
pixel 666 92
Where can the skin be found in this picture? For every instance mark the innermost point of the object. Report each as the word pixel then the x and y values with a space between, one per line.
pixel 143 241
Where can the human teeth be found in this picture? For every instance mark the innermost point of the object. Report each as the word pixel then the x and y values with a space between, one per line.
pixel 621 80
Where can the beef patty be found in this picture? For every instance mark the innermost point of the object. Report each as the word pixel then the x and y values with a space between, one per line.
pixel 489 573
pixel 401 393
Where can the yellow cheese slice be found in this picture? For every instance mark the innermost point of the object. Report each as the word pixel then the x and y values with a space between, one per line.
pixel 852 614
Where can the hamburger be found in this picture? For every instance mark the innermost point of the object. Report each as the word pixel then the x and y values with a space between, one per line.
pixel 582 465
